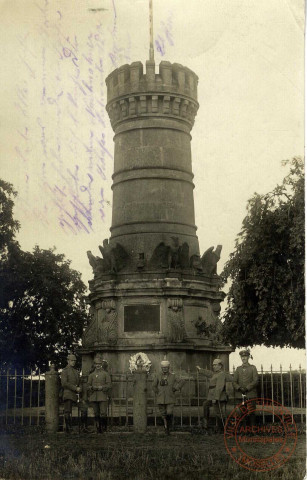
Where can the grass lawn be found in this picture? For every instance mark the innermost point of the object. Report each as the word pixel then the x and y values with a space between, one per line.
pixel 125 456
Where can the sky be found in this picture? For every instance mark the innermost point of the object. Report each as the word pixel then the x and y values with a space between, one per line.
pixel 56 139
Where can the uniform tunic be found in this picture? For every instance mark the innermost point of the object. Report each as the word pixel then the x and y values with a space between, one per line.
pixel 246 376
pixel 165 394
pixel 217 384
pixel 70 380
pixel 96 380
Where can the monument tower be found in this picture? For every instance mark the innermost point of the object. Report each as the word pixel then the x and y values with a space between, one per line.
pixel 152 292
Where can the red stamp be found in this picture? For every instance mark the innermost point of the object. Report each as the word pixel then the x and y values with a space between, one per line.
pixel 260 447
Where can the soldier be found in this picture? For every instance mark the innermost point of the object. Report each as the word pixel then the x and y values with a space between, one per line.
pixel 165 385
pixel 99 385
pixel 217 391
pixel 245 382
pixel 70 380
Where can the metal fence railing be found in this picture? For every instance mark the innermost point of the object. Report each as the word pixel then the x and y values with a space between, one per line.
pixel 22 397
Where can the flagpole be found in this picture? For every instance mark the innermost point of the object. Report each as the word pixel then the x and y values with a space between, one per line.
pixel 151 48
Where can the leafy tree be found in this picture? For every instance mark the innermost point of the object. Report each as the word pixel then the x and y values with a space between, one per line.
pixel 8 226
pixel 265 303
pixel 43 309
pixel 42 299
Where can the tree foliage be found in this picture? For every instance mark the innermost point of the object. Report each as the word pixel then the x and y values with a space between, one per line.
pixel 8 226
pixel 265 303
pixel 42 302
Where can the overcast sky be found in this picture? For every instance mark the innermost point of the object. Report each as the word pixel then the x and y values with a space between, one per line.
pixel 56 140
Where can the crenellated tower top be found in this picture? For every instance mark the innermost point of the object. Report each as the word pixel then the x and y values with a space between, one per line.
pixel 172 92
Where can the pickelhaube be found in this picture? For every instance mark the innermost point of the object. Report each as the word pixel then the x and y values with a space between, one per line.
pixel 98 359
pixel 165 363
pixel 71 356
pixel 217 361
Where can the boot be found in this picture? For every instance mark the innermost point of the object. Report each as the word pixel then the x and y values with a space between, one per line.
pixel 204 425
pixel 84 428
pixel 169 423
pixel 219 426
pixel 104 423
pixel 67 417
pixel 98 424
pixel 166 427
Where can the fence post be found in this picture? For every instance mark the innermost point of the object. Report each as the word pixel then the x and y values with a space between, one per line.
pixel 301 393
pixel 262 394
pixel 181 415
pixel 272 394
pixel 22 395
pixel 15 395
pixel 291 391
pixel 127 414
pixel 140 400
pixel 282 391
pixel 7 394
pixel 52 400
pixel 198 400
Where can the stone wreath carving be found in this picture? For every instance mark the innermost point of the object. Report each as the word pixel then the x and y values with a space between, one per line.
pixel 139 360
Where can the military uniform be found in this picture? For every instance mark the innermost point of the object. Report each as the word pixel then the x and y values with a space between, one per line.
pixel 246 377
pixel 217 385
pixel 165 385
pixel 98 387
pixel 70 380
pixel 216 393
pixel 245 381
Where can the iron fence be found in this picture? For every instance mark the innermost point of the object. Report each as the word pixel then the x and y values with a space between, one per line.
pixel 22 397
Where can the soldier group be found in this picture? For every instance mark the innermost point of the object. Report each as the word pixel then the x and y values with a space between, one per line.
pixel 94 391
pixel 91 392
pixel 245 380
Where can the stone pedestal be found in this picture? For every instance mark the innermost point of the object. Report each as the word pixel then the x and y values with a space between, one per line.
pixel 52 383
pixel 177 317
pixel 140 401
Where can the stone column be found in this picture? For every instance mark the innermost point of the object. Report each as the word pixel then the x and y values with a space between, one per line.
pixel 140 400
pixel 152 117
pixel 52 400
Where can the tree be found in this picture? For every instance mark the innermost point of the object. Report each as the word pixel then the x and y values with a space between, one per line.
pixel 42 299
pixel 8 226
pixel 265 303
pixel 43 310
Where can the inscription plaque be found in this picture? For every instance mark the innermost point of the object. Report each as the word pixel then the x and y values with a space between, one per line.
pixel 141 318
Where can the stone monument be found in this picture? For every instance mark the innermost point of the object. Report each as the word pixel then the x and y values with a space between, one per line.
pixel 152 291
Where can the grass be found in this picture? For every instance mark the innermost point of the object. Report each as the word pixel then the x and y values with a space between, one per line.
pixel 29 455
